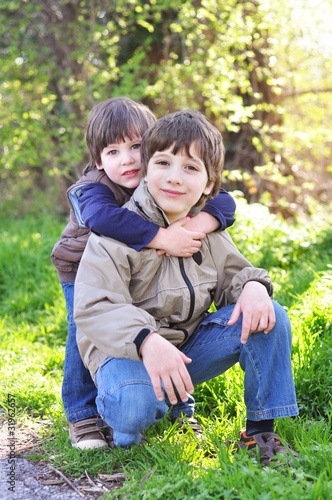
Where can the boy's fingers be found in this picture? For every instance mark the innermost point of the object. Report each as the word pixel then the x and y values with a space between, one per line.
pixel 267 321
pixel 195 244
pixel 183 384
pixel 169 389
pixel 180 387
pixel 244 337
pixel 271 323
pixel 198 236
pixel 263 324
pixel 188 385
pixel 185 358
pixel 157 388
pixel 245 330
pixel 182 380
pixel 235 315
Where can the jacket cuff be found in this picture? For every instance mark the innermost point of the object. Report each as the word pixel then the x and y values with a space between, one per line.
pixel 140 338
pixel 268 286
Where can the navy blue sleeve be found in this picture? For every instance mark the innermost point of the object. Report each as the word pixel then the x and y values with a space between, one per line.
pixel 102 215
pixel 222 207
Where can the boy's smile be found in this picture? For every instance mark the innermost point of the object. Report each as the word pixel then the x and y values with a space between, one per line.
pixel 177 182
pixel 122 162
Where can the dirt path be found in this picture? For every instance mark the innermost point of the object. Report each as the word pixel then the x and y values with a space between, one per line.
pixel 31 482
pixel 27 479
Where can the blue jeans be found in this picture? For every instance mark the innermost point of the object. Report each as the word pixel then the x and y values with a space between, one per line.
pixel 78 389
pixel 126 399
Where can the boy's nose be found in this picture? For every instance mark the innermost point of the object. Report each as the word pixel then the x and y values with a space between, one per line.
pixel 174 177
pixel 127 157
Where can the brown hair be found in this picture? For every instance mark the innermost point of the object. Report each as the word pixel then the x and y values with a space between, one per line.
pixel 181 129
pixel 111 121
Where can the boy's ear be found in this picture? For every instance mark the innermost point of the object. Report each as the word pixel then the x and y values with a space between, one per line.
pixel 99 167
pixel 208 188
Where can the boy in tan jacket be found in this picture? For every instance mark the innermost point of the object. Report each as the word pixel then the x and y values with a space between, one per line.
pixel 113 135
pixel 144 330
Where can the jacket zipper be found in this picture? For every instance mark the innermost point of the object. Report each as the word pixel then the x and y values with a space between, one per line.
pixel 190 287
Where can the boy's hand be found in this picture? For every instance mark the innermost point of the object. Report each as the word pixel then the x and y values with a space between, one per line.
pixel 257 309
pixel 203 221
pixel 164 362
pixel 176 240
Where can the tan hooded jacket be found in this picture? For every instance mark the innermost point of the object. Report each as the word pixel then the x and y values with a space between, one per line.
pixel 122 296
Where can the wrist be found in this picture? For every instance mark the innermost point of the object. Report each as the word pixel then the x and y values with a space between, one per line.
pixel 158 241
pixel 146 343
pixel 207 222
pixel 255 285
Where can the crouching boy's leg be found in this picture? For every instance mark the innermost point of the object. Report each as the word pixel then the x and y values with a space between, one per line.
pixel 266 359
pixel 126 400
pixel 269 390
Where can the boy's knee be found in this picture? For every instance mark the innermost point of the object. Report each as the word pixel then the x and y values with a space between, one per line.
pixel 132 408
pixel 281 315
pixel 282 326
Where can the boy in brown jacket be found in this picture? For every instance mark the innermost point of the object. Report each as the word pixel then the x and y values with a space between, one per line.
pixel 113 135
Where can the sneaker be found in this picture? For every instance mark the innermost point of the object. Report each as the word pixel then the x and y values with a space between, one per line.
pixel 86 435
pixel 267 445
pixel 186 423
pixel 107 431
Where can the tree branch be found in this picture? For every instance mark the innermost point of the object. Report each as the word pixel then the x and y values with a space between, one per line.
pixel 293 93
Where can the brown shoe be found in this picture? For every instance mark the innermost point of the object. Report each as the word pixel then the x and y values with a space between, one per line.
pixel 107 431
pixel 266 445
pixel 86 435
pixel 187 424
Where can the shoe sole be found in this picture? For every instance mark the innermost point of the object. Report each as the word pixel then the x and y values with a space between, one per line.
pixel 90 444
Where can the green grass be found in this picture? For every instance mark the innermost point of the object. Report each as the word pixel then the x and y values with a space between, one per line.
pixel 33 334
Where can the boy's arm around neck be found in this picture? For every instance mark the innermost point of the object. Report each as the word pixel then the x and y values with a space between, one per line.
pixel 102 215
pixel 177 239
pixel 217 214
pixel 222 207
pixel 182 238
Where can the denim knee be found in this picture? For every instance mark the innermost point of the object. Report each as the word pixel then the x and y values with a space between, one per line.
pixel 131 408
pixel 283 324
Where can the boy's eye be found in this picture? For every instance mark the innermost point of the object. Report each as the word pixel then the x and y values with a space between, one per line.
pixel 164 163
pixel 136 146
pixel 112 152
pixel 191 167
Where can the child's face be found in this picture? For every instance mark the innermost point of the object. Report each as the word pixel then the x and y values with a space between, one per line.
pixel 177 182
pixel 122 162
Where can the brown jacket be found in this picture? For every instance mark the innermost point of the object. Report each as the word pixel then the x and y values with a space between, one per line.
pixel 67 252
pixel 122 296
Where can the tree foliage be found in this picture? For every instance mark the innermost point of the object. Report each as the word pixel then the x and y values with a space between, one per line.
pixel 236 60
